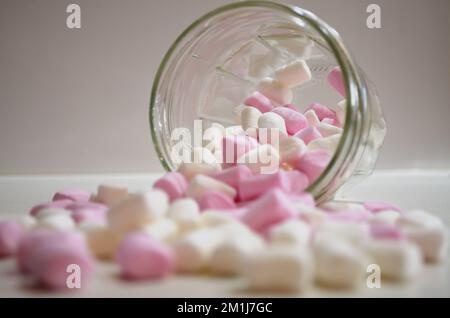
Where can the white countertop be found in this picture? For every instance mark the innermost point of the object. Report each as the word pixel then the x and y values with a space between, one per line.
pixel 429 190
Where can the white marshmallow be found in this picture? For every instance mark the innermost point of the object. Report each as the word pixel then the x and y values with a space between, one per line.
pixel 28 222
pixel 433 242
pixel 229 257
pixel 162 230
pixel 294 74
pixel 186 214
pixel 355 233
pixel 338 262
pixel 58 222
pixel 212 218
pixel 342 206
pixel 137 210
pixel 279 268
pixel 328 130
pixel 328 143
pixel 385 217
pixel 103 241
pixel 291 148
pixel 190 170
pixel 419 219
pixel 312 118
pixel 275 91
pixel 204 156
pixel 272 120
pixel 201 184
pixel 250 117
pixel 262 159
pixel 43 213
pixel 294 232
pixel 110 194
pixel 234 131
pixel 398 260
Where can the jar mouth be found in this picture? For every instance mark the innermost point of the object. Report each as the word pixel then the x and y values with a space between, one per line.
pixel 334 174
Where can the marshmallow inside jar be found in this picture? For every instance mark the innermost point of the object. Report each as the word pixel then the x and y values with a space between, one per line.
pixel 246 79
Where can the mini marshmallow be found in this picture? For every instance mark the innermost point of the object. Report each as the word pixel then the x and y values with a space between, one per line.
pixel 275 91
pixel 28 222
pixel 385 217
pixel 271 208
pixel 433 242
pixel 185 212
pixel 229 256
pixel 236 130
pixel 294 74
pixel 386 231
pixel 338 263
pixel 58 222
pixel 72 194
pixel 234 147
pixel 321 111
pixel 190 170
pixel 379 206
pixel 234 175
pixel 137 210
pixel 215 200
pixel 291 147
pixel 398 260
pixel 141 257
pixel 213 218
pixel 335 206
pixel 354 233
pixel 260 102
pixel 327 130
pixel 164 230
pixel 312 118
pixel 336 80
pixel 201 184
pixel 272 120
pixel 313 163
pixel 293 120
pixel 350 216
pixel 327 143
pixel 110 194
pixel 249 117
pixel 262 159
pixel 103 241
pixel 54 204
pixel 174 184
pixel 293 232
pixel 75 206
pixel 51 211
pixel 308 134
pixel 98 216
pixel 279 268
pixel 11 233
pixel 419 219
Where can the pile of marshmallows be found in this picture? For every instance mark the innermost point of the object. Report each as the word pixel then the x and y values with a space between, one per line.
pixel 229 219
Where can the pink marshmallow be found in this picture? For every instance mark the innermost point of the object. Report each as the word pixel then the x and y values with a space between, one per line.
pixel 313 163
pixel 174 184
pixel 215 200
pixel 308 134
pixel 232 176
pixel 322 111
pixel 89 215
pixel 355 216
pixel 271 208
pixel 54 204
pixel 73 194
pixel 294 120
pixel 75 206
pixel 291 106
pixel 254 186
pixel 259 101
pixel 235 146
pixel 386 231
pixel 336 80
pixel 141 257
pixel 304 198
pixel 298 181
pixel 50 265
pixel 378 206
pixel 10 235
pixel 329 121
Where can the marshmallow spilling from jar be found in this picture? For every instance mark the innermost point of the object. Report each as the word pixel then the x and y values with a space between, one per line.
pixel 235 218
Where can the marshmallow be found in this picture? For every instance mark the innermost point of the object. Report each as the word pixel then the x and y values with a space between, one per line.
pixel 308 134
pixel 272 120
pixel 327 143
pixel 75 206
pixel 293 120
pixel 174 184
pixel 294 232
pixel 185 213
pixel 259 101
pixel 72 194
pixel 312 118
pixel 11 233
pixel 398 260
pixel 137 210
pixel 110 194
pixel 313 163
pixel 275 91
pixel 215 200
pixel 419 219
pixel 43 213
pixel 379 206
pixel 190 170
pixel 213 218
pixel 338 263
pixel 354 233
pixel 236 130
pixel 328 130
pixel 103 241
pixel 279 268
pixel 233 176
pixel 335 206
pixel 58 222
pixel 141 257
pixel 162 230
pixel 229 256
pixel 98 216
pixel 28 222
pixel 336 80
pixel 322 112
pixel 262 159
pixel 201 184
pixel 55 204
pixel 294 74
pixel 234 147
pixel 249 117
pixel 384 217
pixel 386 231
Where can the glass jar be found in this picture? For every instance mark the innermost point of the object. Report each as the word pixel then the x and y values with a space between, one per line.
pixel 218 60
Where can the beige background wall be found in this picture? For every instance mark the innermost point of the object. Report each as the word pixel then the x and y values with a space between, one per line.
pixel 76 100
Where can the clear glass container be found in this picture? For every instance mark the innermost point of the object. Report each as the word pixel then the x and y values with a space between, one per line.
pixel 219 59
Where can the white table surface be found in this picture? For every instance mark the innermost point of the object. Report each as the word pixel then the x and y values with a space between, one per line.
pixel 410 189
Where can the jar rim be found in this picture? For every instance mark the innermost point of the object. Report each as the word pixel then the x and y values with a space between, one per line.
pixel 351 135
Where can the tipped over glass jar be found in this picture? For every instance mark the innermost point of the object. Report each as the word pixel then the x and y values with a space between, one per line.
pixel 221 58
